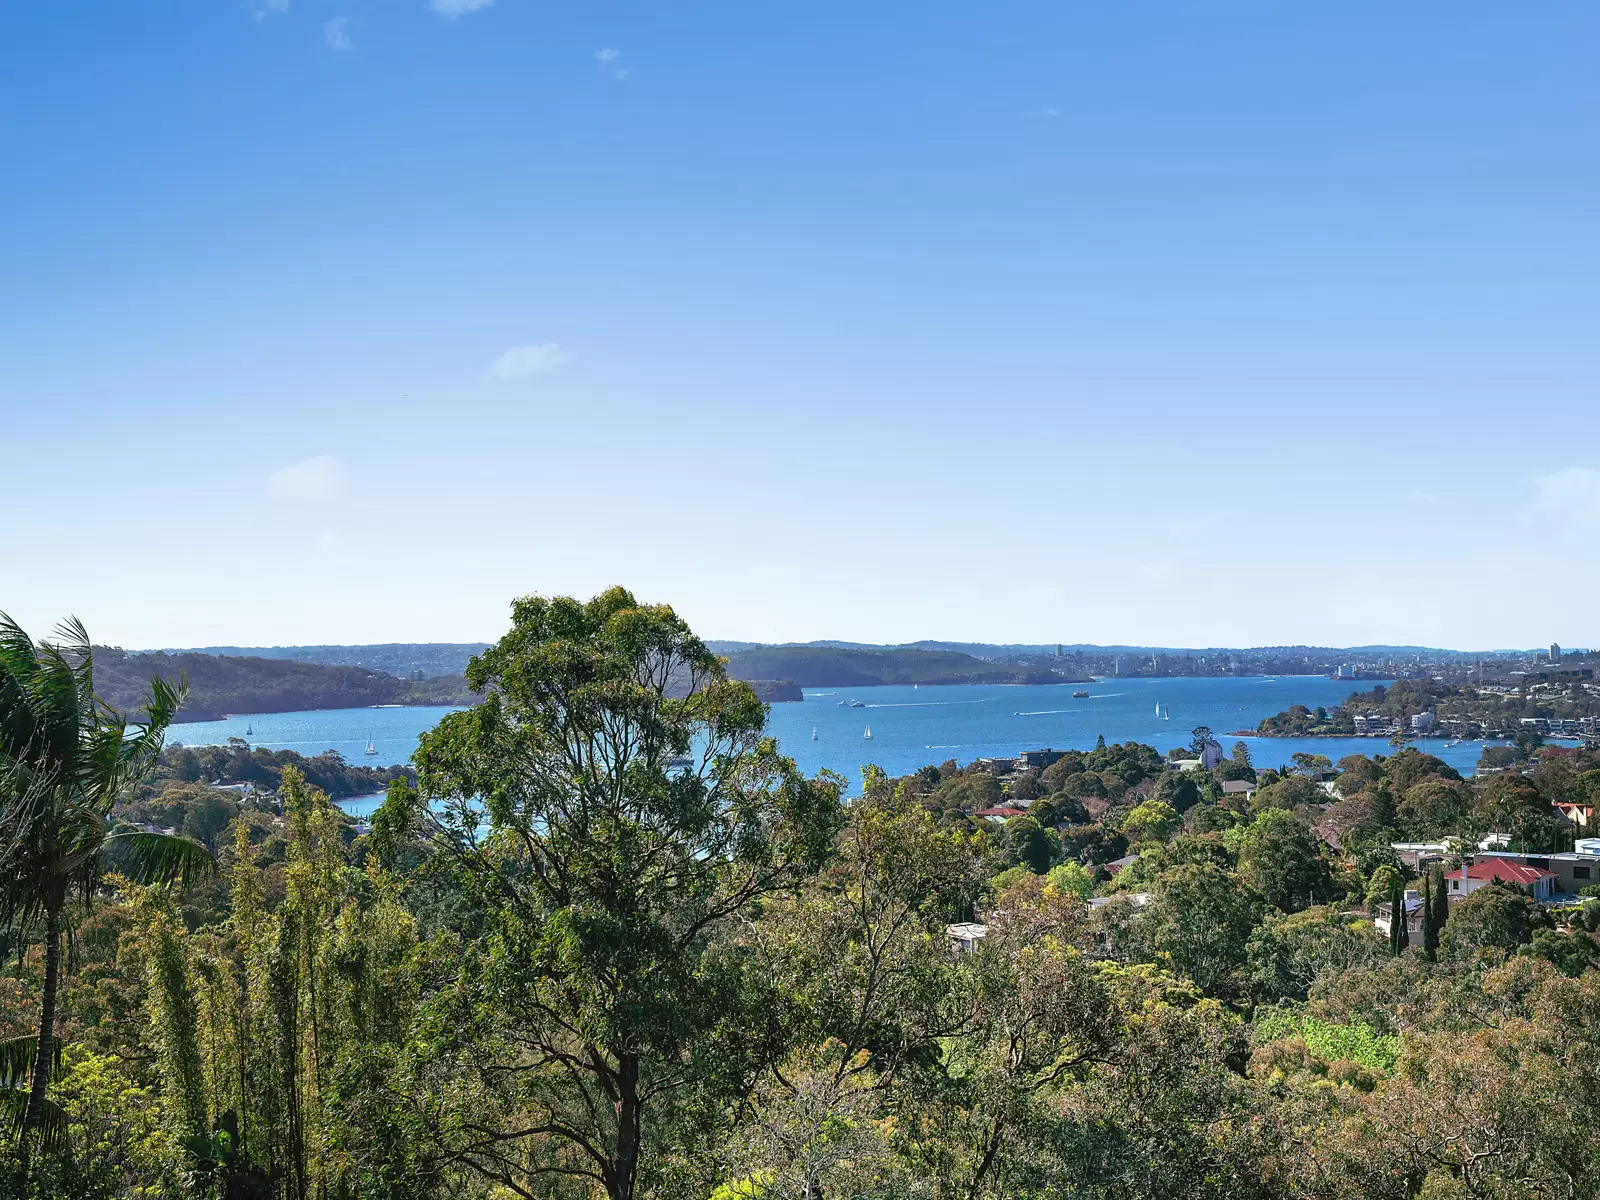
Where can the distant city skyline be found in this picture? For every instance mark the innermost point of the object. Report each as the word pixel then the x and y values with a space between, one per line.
pixel 1175 324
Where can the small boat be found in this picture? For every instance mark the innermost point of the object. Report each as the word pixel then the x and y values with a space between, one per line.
pixel 1080 695
pixel 1166 714
pixel 868 734
pixel 813 735
pixel 371 747
pixel 249 731
pixel 1158 708
pixel 857 704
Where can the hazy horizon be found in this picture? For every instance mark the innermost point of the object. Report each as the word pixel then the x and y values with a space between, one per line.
pixel 1066 647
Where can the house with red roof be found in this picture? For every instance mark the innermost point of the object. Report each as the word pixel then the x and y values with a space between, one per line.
pixel 1481 872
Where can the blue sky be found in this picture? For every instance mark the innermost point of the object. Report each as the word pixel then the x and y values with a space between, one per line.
pixel 1235 323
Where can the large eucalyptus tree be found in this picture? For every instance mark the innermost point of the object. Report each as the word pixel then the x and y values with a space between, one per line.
pixel 613 810
pixel 66 759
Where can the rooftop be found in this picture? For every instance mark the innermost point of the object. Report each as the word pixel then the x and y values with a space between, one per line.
pixel 1502 869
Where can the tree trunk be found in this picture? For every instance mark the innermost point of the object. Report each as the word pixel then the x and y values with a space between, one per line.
pixel 628 1128
pixel 45 1052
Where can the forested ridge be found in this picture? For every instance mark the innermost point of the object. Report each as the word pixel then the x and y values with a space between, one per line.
pixel 606 941
pixel 827 666
pixel 220 685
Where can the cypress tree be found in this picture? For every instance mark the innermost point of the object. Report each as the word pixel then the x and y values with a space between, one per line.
pixel 1433 897
pixel 1405 922
pixel 1396 917
pixel 1399 936
pixel 1441 902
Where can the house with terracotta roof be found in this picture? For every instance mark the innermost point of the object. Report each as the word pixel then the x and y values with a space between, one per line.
pixel 1000 812
pixel 1578 814
pixel 1538 882
pixel 1573 871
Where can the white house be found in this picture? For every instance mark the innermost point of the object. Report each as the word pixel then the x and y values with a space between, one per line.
pixel 1413 907
pixel 965 937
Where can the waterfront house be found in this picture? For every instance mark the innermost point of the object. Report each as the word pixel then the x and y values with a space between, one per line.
pixel 1239 787
pixel 998 766
pixel 1039 759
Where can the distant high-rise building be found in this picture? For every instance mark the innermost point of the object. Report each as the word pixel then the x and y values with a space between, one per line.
pixel 1058 649
pixel 1555 652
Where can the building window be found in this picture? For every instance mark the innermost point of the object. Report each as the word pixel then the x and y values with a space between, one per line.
pixel 1580 872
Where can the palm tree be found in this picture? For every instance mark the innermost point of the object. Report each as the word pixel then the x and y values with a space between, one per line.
pixel 66 759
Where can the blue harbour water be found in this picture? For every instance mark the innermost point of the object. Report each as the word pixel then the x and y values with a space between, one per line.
pixel 911 726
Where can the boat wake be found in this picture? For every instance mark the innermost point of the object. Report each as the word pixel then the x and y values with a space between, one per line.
pixel 932 703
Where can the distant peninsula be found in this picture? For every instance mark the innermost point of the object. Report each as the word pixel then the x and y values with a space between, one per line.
pixel 829 666
pixel 220 685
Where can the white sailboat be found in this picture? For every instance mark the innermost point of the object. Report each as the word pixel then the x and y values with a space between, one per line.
pixel 868 734
pixel 813 734
pixel 371 747
pixel 1158 708
pixel 1166 714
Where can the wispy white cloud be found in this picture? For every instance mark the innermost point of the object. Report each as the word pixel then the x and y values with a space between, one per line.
pixel 337 34
pixel 539 358
pixel 262 9
pixel 451 9
pixel 311 479
pixel 608 58
pixel 1568 499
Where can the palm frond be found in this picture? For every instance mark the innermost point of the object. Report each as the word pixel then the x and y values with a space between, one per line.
pixel 140 752
pixel 17 1056
pixel 52 1128
pixel 57 696
pixel 159 858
